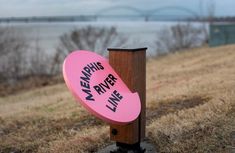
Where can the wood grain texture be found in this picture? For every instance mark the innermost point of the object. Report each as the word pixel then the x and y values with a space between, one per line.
pixel 131 67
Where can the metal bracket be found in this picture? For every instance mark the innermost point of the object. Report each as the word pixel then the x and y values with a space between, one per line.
pixel 128 148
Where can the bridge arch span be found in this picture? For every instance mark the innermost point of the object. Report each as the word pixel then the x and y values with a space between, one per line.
pixel 179 8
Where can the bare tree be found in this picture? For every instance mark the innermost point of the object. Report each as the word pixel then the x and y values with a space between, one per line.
pixel 20 60
pixel 178 37
pixel 39 63
pixel 88 38
pixel 12 55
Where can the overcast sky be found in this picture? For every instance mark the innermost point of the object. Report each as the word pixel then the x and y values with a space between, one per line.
pixel 16 8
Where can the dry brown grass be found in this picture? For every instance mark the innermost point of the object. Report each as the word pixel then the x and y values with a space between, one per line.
pixel 190 108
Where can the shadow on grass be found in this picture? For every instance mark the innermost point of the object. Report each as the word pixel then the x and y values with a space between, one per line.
pixel 30 133
pixel 172 106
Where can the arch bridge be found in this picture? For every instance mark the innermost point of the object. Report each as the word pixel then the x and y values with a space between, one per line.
pixel 146 14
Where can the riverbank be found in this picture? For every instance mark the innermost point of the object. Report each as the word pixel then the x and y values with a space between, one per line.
pixel 190 108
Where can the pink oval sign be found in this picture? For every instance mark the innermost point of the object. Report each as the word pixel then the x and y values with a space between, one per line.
pixel 99 89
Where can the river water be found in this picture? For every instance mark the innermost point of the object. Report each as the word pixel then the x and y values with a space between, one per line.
pixel 46 35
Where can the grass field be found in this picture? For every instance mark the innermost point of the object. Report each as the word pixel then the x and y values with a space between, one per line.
pixel 190 108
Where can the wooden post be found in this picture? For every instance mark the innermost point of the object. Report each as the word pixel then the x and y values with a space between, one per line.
pixel 130 64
